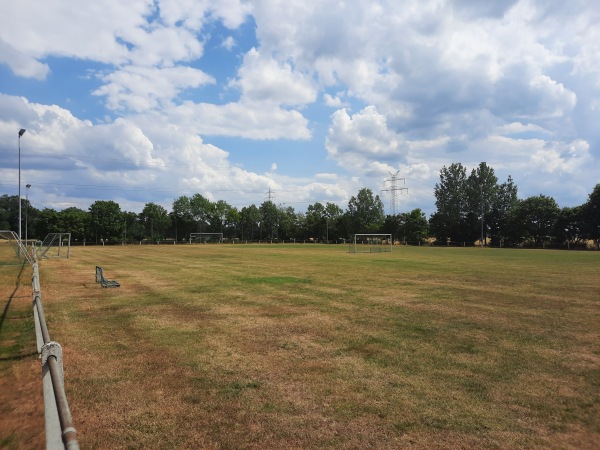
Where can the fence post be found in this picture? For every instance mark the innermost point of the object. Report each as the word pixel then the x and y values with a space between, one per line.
pixel 53 429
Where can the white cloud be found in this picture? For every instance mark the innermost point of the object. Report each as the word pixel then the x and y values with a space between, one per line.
pixel 228 43
pixel 252 121
pixel 360 141
pixel 554 99
pixel 518 127
pixel 268 81
pixel 88 31
pixel 163 46
pixel 21 64
pixel 513 83
pixel 559 157
pixel 139 88
pixel 334 101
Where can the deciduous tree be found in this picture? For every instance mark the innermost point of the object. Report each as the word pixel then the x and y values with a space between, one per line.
pixel 105 221
pixel 366 212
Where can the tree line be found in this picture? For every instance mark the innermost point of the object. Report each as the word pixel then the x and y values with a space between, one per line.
pixel 104 221
pixel 476 207
pixel 470 208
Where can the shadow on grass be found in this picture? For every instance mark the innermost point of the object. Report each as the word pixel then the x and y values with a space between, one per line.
pixel 11 296
pixel 19 357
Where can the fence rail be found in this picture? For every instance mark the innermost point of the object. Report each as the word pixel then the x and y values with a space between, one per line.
pixel 60 432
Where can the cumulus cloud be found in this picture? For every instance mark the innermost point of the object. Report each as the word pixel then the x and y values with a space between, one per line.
pixel 267 80
pixel 239 119
pixel 557 157
pixel 363 138
pixel 89 31
pixel 137 88
pixel 511 82
pixel 126 159
pixel 21 64
pixel 228 43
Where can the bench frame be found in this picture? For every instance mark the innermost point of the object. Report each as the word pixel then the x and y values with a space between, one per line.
pixel 103 281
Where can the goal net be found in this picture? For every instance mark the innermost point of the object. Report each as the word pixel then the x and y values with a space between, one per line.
pixel 371 243
pixel 206 238
pixel 55 245
pixel 12 250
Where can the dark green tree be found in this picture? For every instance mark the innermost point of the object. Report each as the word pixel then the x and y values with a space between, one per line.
pixel 201 210
pixel 232 222
pixel 183 218
pixel 48 222
pixel 218 217
pixel 591 216
pixel 498 218
pixel 250 217
pixel 450 221
pixel 534 219
pixel 9 212
pixel 106 221
pixel 366 212
pixel 269 220
pixel 288 224
pixel 156 221
pixel 482 190
pixel 569 227
pixel 133 227
pixel 415 227
pixel 301 228
pixel 393 225
pixel 333 213
pixel 75 221
pixel 316 221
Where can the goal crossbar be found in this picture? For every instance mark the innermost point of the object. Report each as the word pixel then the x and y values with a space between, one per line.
pixel 206 237
pixel 55 242
pixel 371 243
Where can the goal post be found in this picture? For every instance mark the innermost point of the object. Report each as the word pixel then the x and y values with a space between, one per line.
pixel 371 243
pixel 12 249
pixel 53 244
pixel 206 238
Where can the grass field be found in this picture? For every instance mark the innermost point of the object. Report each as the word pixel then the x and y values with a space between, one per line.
pixel 308 346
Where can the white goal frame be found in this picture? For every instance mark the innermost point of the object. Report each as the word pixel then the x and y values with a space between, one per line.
pixel 199 236
pixel 51 245
pixel 16 245
pixel 372 243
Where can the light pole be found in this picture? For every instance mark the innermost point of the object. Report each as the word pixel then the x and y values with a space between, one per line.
pixel 21 133
pixel 27 186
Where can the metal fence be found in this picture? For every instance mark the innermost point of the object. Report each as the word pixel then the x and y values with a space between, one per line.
pixel 60 432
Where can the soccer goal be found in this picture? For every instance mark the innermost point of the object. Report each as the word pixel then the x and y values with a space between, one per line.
pixel 12 249
pixel 206 238
pixel 54 244
pixel 371 243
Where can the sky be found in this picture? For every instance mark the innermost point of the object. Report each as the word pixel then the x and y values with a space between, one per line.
pixel 296 101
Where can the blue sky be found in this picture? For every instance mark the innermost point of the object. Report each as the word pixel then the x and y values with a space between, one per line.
pixel 145 101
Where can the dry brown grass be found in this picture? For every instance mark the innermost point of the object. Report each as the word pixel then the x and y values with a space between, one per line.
pixel 311 347
pixel 21 411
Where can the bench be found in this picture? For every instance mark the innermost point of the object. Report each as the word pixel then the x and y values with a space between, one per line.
pixel 103 281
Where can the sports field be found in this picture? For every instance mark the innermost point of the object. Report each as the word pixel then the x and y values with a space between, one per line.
pixel 309 346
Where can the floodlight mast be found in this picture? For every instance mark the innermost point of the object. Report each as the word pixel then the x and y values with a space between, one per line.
pixel 27 186
pixel 21 133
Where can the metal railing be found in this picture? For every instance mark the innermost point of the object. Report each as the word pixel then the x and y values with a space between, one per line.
pixel 60 432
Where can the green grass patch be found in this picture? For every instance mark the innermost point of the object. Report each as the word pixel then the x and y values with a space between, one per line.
pixel 273 280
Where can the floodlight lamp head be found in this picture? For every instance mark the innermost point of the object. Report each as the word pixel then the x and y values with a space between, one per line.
pixel 22 132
